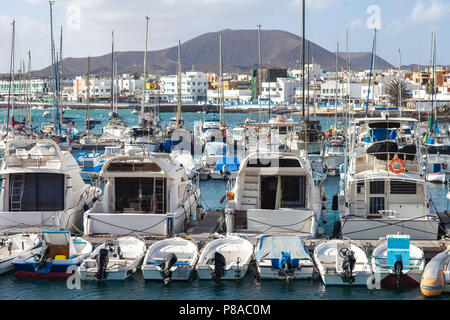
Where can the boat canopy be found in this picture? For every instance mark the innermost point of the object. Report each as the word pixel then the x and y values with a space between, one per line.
pixel 216 149
pixel 231 163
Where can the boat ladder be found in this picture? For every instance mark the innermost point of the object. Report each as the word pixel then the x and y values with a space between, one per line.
pixel 17 187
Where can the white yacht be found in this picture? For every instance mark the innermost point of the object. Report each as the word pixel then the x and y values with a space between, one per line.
pixel 145 195
pixel 384 190
pixel 275 192
pixel 334 155
pixel 42 188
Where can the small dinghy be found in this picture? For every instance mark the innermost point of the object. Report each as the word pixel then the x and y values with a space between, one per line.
pixel 283 257
pixel 342 263
pixel 59 251
pixel 226 258
pixel 170 259
pixel 15 246
pixel 113 260
pixel 398 262
pixel 436 276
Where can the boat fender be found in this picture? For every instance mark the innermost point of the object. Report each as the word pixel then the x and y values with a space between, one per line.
pixel 102 263
pixel 334 205
pixel 433 279
pixel 168 262
pixel 85 207
pixel 324 216
pixel 398 269
pixel 348 265
pixel 219 267
pixel 336 229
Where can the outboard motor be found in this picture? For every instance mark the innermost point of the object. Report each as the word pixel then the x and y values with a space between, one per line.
pixel 348 265
pixel 102 263
pixel 168 262
pixel 219 267
pixel 43 259
pixel 398 269
pixel 285 266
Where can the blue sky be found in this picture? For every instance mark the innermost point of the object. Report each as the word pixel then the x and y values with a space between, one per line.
pixel 87 25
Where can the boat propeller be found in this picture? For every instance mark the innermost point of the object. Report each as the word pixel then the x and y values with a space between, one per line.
pixel 348 264
pixel 102 263
pixel 398 268
pixel 168 262
pixel 219 267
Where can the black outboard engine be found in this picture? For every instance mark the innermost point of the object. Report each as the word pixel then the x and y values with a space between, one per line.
pixel 284 264
pixel 348 265
pixel 219 267
pixel 398 269
pixel 102 263
pixel 43 259
pixel 168 262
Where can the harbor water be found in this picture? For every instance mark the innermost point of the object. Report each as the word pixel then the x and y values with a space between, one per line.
pixel 249 288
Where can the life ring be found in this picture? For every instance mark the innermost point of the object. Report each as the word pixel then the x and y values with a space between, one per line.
pixel 398 170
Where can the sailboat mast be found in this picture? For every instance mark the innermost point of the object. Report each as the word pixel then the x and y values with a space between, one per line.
pixel 303 59
pixel 220 89
pixel 60 71
pixel 29 89
pixel 434 77
pixel 144 87
pixel 259 71
pixel 55 70
pixel 88 115
pixel 179 86
pixel 399 83
pixel 112 75
pixel 309 67
pixel 336 90
pixel 11 75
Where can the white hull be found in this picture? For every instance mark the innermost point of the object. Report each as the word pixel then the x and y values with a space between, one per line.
pixel 178 273
pixel 122 273
pixel 233 273
pixel 337 279
pixel 374 229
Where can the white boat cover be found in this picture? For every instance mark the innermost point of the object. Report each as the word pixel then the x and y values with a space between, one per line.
pixel 271 247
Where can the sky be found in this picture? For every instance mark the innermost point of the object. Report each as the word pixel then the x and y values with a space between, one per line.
pixel 87 25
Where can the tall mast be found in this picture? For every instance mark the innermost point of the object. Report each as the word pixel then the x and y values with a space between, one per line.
pixel 434 77
pixel 54 69
pixel 179 85
pixel 112 75
pixel 144 87
pixel 88 116
pixel 370 75
pixel 259 70
pixel 399 83
pixel 60 71
pixel 348 77
pixel 303 59
pixel 221 94
pixel 29 89
pixel 309 67
pixel 11 75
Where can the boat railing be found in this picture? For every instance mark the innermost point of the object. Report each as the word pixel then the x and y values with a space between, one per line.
pixel 33 160
pixel 390 162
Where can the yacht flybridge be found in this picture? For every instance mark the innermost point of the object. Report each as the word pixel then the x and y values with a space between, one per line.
pixel 275 192
pixel 144 195
pixel 384 191
pixel 42 188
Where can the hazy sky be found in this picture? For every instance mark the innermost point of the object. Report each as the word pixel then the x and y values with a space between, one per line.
pixel 87 25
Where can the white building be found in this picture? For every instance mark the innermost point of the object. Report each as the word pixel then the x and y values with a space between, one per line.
pixel 315 72
pixel 194 87
pixel 328 92
pixel 281 91
pixel 35 86
pixel 241 96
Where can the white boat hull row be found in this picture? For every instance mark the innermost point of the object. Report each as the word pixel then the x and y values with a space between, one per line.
pixel 154 272
pixel 234 272
pixel 330 279
pixel 140 223
pixel 374 229
pixel 270 273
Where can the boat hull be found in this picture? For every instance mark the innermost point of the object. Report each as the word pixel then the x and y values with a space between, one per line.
pixel 329 279
pixel 233 273
pixel 179 273
pixel 268 273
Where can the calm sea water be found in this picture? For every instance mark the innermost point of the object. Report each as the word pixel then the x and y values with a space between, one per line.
pixel 12 287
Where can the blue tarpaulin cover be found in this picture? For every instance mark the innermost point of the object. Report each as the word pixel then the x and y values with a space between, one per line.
pixel 232 163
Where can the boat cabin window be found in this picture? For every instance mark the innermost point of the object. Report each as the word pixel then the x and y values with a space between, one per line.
pixel 400 187
pixel 36 192
pixel 133 167
pixel 376 187
pixel 145 195
pixel 267 163
pixel 376 204
pixel 292 192
pixel 360 187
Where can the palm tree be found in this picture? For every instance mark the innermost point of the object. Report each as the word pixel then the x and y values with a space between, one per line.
pixel 392 91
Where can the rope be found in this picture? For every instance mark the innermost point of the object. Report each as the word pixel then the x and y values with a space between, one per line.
pixel 132 230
